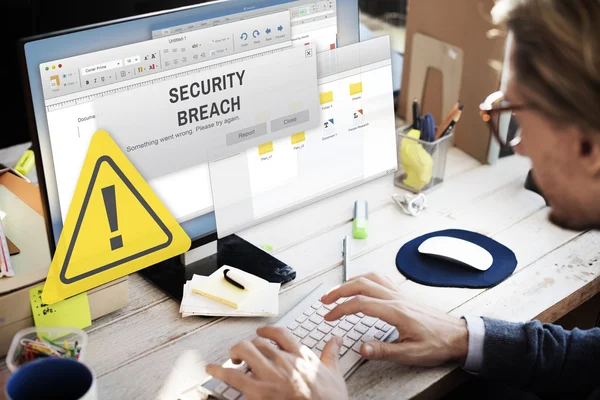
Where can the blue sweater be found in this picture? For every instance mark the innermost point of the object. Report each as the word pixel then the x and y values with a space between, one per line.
pixel 542 358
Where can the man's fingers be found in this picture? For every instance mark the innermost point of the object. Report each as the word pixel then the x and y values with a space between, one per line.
pixel 381 279
pixel 402 353
pixel 272 353
pixel 377 308
pixel 235 378
pixel 281 336
pixel 330 355
pixel 360 286
pixel 256 361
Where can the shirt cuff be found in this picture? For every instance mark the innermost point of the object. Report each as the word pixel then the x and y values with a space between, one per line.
pixel 476 329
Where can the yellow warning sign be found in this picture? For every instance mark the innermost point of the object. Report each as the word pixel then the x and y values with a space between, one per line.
pixel 115 225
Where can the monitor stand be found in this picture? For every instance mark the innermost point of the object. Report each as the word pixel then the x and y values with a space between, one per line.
pixel 206 257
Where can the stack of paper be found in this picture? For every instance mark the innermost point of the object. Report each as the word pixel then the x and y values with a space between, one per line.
pixel 260 299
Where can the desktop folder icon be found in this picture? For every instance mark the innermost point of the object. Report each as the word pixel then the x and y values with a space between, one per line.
pixel 298 137
pixel 326 97
pixel 355 88
pixel 265 148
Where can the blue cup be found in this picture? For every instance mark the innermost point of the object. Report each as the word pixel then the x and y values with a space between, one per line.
pixel 52 378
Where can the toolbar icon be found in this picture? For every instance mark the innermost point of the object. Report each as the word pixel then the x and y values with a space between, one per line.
pixel 244 36
pixel 268 31
pixel 54 81
pixel 255 34
pixel 280 28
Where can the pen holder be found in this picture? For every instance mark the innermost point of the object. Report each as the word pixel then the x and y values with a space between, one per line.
pixel 421 164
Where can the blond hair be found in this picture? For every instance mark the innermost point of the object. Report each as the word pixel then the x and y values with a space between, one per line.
pixel 556 57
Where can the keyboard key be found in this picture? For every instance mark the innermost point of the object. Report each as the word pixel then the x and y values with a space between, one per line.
pixel 356 346
pixel 333 323
pixel 379 335
pixel 317 352
pixel 231 394
pixel 349 360
pixel 360 315
pixel 322 311
pixel 379 324
pixel 353 319
pixel 318 335
pixel 309 326
pixel 321 345
pixel 386 327
pixel 338 332
pixel 317 305
pixel 340 300
pixel 243 397
pixel 348 342
pixel 327 337
pixel 345 326
pixel 301 332
pixel 330 306
pixel 343 350
pixel 361 328
pixel 368 321
pixel 324 328
pixel 315 319
pixel 309 342
pixel 354 335
pixel 221 387
pixel 293 326
pixel 297 339
pixel 301 318
pixel 309 312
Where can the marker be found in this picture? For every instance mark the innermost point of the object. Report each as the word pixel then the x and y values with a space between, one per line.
pixel 236 279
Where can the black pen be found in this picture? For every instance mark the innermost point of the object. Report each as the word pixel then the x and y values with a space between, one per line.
pixel 228 279
pixel 416 121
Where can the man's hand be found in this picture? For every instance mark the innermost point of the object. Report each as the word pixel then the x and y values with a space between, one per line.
pixel 291 371
pixel 427 337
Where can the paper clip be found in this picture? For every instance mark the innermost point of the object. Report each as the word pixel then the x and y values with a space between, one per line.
pixel 411 205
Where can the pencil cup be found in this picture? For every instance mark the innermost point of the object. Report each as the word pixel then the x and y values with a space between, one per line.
pixel 52 378
pixel 421 164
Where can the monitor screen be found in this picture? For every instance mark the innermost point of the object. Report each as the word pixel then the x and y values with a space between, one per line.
pixel 66 88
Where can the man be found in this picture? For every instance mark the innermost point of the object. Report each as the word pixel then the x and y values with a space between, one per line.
pixel 554 92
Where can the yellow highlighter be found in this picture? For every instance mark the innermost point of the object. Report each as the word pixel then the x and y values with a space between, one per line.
pixel 26 162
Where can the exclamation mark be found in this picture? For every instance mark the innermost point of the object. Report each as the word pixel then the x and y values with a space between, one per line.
pixel 110 203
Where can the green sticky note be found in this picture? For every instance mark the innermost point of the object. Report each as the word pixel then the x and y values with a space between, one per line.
pixel 74 311
pixel 267 247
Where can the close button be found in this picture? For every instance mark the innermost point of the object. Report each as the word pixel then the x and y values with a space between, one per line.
pixel 290 120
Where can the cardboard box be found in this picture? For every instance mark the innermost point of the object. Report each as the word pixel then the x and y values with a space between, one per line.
pixel 464 24
pixel 25 226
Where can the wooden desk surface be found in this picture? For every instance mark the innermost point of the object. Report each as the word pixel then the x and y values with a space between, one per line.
pixel 148 351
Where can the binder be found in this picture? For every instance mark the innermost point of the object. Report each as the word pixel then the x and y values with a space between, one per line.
pixel 355 88
pixel 326 97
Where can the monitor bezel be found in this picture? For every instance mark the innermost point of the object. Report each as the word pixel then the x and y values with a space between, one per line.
pixel 32 124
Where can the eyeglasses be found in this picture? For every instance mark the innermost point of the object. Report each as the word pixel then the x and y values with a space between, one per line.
pixel 495 110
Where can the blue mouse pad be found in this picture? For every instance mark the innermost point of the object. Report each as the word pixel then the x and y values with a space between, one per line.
pixel 431 271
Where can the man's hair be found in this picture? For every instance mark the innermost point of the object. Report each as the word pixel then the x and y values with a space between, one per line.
pixel 556 57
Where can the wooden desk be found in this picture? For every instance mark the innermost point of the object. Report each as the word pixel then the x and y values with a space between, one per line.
pixel 148 351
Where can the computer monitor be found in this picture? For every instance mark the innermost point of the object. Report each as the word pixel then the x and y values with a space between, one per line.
pixel 61 97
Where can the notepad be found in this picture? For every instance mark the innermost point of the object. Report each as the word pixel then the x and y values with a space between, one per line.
pixel 219 289
pixel 262 299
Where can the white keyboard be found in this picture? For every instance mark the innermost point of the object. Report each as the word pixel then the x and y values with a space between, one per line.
pixel 305 321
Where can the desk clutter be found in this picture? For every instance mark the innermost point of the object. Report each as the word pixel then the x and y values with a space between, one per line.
pixel 422 149
pixel 230 292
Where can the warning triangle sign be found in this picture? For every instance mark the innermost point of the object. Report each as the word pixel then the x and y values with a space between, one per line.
pixel 115 225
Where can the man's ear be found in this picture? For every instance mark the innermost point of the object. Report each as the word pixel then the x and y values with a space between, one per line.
pixel 590 153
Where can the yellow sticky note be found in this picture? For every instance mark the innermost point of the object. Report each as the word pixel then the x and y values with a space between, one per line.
pixel 265 148
pixel 298 137
pixel 217 288
pixel 355 88
pixel 326 97
pixel 74 311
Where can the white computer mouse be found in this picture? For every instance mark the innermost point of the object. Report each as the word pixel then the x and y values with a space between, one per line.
pixel 457 250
